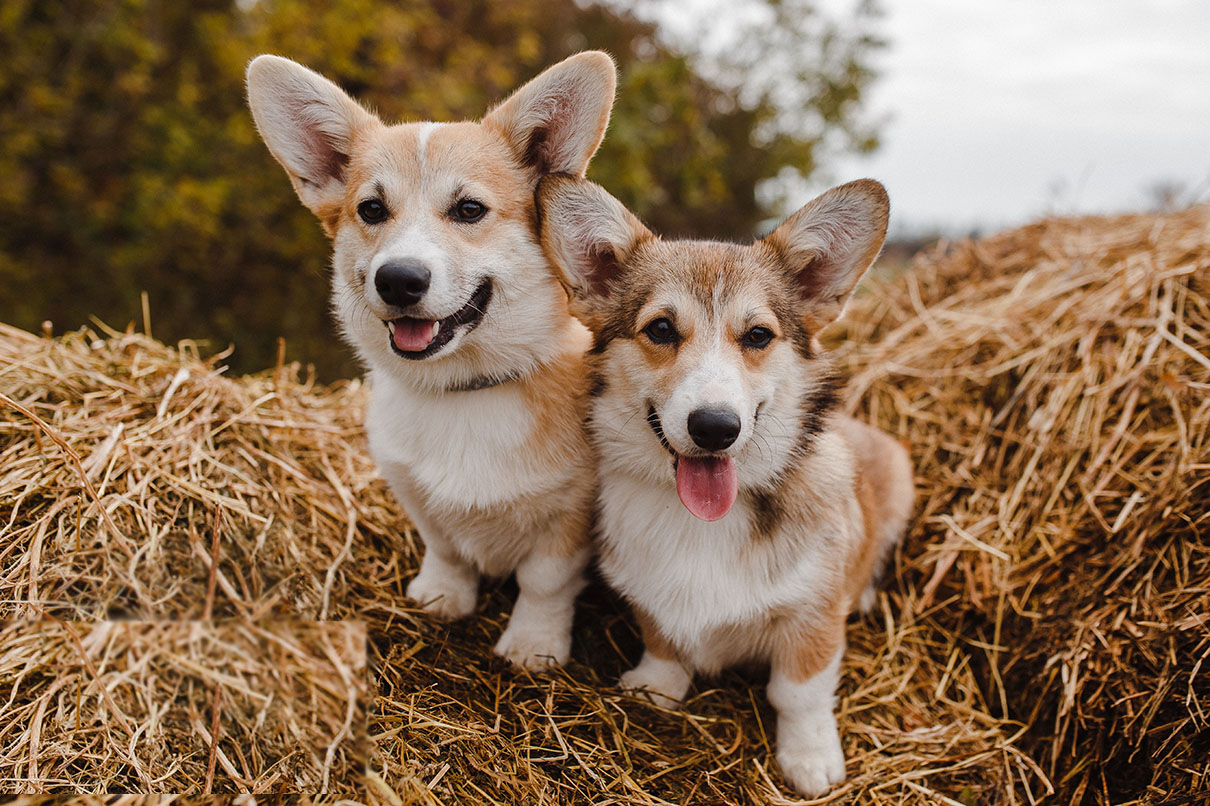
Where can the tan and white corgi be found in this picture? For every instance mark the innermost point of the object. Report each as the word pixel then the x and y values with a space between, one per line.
pixel 738 513
pixel 475 364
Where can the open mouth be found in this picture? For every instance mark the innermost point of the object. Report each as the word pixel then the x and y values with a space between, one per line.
pixel 420 338
pixel 707 484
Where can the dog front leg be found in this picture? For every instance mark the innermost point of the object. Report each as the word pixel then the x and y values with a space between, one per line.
pixel 659 675
pixel 539 631
pixel 808 742
pixel 447 585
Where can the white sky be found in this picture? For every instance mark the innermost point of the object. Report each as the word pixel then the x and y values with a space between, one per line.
pixel 999 112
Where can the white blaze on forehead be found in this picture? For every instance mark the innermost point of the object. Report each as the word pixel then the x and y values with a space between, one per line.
pixel 717 381
pixel 422 138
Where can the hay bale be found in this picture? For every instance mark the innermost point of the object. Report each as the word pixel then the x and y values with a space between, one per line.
pixel 185 707
pixel 1052 381
pixel 121 459
pixel 1042 628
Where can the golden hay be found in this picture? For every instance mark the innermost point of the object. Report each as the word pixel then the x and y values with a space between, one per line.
pixel 134 706
pixel 1043 628
pixel 177 800
pixel 176 453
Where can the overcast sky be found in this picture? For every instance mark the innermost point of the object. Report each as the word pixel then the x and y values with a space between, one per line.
pixel 999 112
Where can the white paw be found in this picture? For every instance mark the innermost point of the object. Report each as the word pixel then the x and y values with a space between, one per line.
pixel 534 646
pixel 664 682
pixel 444 594
pixel 813 770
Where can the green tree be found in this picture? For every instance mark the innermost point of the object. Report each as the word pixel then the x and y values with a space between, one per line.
pixel 130 163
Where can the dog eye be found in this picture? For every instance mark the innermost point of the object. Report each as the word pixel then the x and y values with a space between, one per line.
pixel 372 211
pixel 758 337
pixel 469 210
pixel 661 331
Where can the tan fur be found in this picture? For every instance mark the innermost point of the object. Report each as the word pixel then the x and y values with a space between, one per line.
pixel 480 434
pixel 820 497
pixel 803 648
pixel 869 550
pixel 885 492
pixel 654 641
pixel 558 399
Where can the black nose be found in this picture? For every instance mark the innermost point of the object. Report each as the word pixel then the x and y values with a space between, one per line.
pixel 402 283
pixel 713 429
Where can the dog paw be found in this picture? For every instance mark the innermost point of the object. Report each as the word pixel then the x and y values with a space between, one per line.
pixel 443 594
pixel 813 771
pixel 664 682
pixel 534 648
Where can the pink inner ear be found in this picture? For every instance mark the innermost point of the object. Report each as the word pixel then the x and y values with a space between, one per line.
pixel 603 267
pixel 535 150
pixel 323 159
pixel 814 279
pixel 328 162
pixel 542 148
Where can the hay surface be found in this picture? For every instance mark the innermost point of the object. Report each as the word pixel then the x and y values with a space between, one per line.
pixel 1054 381
pixel 178 800
pixel 1043 627
pixel 121 459
pixel 184 707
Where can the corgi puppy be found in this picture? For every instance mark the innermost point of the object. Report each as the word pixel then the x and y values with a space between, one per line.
pixel 738 513
pixel 475 364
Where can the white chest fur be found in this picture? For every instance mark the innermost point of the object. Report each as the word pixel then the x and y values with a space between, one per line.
pixel 694 577
pixel 464 449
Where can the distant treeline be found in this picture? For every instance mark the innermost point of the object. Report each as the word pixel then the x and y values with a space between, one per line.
pixel 129 162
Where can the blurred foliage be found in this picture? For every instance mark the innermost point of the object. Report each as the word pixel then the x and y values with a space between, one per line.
pixel 129 161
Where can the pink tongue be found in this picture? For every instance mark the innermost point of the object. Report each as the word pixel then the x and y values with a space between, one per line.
pixel 413 335
pixel 707 487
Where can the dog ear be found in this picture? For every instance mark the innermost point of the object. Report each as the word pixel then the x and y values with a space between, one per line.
pixel 828 245
pixel 554 123
pixel 587 234
pixel 309 124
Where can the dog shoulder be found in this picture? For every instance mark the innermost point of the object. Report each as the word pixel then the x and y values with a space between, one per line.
pixel 814 494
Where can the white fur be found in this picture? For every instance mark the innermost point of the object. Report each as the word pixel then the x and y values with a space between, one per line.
pixel 701 580
pixel 763 450
pixel 664 681
pixel 715 592
pixel 462 449
pixel 518 334
pixel 447 585
pixel 716 381
pixel 808 744
pixel 414 238
pixel 422 140
pixel 539 630
pixel 460 463
pixel 771 580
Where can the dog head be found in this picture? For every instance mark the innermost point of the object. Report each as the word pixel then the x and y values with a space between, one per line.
pixel 707 350
pixel 437 270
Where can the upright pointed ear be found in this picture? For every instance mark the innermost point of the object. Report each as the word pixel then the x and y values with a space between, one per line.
pixel 309 124
pixel 829 244
pixel 587 234
pixel 555 122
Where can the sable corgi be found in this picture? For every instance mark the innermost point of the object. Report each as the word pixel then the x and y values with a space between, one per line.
pixel 710 388
pixel 475 364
